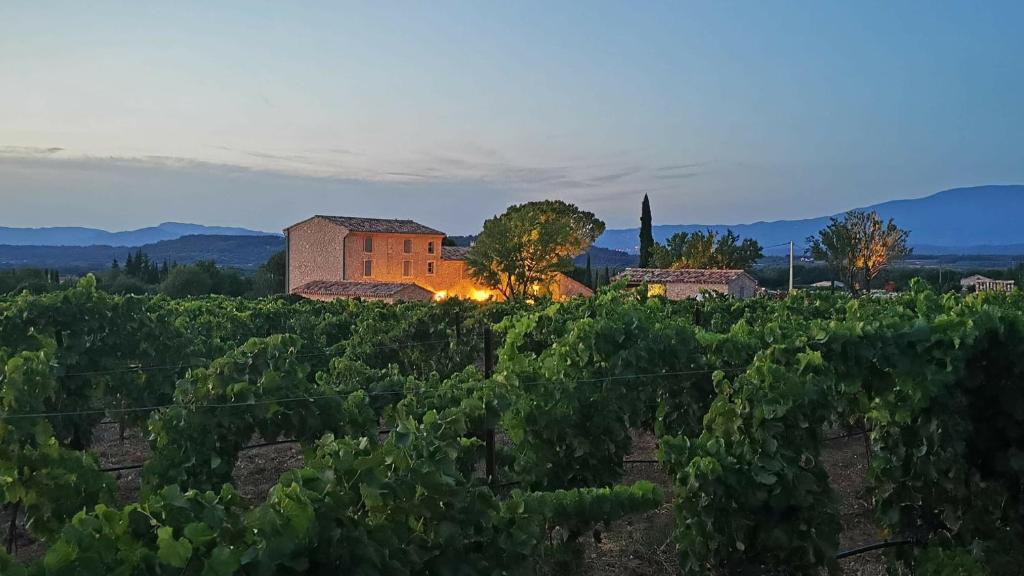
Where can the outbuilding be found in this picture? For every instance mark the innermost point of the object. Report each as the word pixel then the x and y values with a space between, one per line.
pixel 688 282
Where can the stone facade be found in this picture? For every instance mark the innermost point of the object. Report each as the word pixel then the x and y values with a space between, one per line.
pixel 689 283
pixel 314 252
pixel 322 248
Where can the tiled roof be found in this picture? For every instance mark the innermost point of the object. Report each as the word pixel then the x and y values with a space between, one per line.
pixel 454 252
pixel 353 289
pixel 382 225
pixel 680 276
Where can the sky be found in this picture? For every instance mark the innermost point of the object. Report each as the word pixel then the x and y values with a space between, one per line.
pixel 125 114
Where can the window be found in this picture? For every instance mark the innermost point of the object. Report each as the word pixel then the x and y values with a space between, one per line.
pixel 430 248
pixel 367 268
pixel 368 244
pixel 406 267
pixel 430 267
pixel 407 246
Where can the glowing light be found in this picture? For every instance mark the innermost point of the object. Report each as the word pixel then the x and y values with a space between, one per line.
pixel 655 290
pixel 480 295
pixel 440 295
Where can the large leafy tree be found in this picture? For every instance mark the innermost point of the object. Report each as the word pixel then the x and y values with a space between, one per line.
pixel 859 246
pixel 523 250
pixel 707 250
pixel 646 234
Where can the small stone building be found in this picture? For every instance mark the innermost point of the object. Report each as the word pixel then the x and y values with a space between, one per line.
pixel 688 283
pixel 979 283
pixel 383 291
pixel 347 257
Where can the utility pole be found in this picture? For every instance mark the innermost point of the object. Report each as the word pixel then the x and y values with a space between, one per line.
pixel 790 265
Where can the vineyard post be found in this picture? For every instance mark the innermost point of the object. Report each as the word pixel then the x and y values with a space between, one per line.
pixel 488 372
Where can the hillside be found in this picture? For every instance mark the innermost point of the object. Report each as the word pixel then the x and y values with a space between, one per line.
pixel 982 219
pixel 78 236
pixel 227 250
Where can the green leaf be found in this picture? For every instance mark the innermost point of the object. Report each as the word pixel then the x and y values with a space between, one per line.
pixel 173 552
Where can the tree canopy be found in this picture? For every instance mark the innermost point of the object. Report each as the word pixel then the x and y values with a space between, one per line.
pixel 859 246
pixel 521 251
pixel 270 278
pixel 706 250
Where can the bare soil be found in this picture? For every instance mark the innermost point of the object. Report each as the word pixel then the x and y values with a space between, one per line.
pixel 643 545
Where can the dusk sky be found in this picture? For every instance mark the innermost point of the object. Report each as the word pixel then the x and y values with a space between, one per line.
pixel 126 114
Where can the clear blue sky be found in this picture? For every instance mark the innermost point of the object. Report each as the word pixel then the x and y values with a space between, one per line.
pixel 124 114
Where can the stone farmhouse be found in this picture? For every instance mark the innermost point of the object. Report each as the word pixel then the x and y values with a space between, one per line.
pixel 333 257
pixel 688 283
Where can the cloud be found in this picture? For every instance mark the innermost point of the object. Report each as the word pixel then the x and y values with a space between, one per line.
pixel 29 150
pixel 678 176
pixel 676 167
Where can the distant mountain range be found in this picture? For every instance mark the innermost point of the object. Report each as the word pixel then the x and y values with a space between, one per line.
pixel 978 220
pixel 226 250
pixel 76 236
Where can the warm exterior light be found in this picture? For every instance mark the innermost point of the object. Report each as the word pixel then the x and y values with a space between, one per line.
pixel 440 295
pixel 480 295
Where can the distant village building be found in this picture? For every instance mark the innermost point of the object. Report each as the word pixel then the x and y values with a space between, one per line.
pixel 333 257
pixel 979 283
pixel 687 283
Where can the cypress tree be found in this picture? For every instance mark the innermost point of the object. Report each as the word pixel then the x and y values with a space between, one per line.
pixel 590 274
pixel 646 233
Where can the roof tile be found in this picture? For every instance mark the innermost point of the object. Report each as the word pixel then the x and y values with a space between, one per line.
pixel 355 289
pixel 384 225
pixel 454 252
pixel 678 276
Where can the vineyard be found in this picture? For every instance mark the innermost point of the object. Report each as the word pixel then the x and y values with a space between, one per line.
pixel 458 438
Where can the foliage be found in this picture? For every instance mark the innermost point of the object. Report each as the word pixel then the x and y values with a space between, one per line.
pixel 738 392
pixel 521 251
pixel 706 250
pixel 202 278
pixel 50 482
pixel 859 246
pixel 260 389
pixel 646 234
pixel 753 494
pixel 576 387
pixel 270 278
pixel 34 280
pixel 404 506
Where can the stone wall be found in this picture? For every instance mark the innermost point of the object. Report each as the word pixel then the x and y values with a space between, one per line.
pixel 314 252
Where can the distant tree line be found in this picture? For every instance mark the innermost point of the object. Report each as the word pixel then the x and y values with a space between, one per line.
pixel 139 274
pixel 32 279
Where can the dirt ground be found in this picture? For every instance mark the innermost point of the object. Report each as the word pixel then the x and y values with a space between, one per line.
pixel 637 546
pixel 643 545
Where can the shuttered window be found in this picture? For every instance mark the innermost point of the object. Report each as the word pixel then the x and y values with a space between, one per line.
pixel 367 268
pixel 406 267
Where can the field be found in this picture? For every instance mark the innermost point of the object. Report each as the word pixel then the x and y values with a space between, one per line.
pixel 611 435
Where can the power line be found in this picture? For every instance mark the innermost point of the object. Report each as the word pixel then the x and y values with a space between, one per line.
pixel 179 366
pixel 407 393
